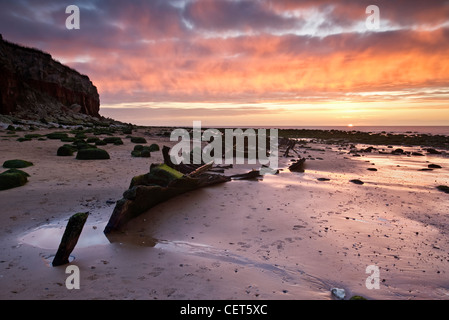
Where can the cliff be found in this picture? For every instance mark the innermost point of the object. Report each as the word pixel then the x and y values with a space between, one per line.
pixel 33 85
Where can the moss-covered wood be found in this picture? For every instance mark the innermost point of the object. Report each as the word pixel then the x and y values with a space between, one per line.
pixel 70 238
pixel 160 184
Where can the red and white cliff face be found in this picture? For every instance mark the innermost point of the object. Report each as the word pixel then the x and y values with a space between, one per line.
pixel 31 81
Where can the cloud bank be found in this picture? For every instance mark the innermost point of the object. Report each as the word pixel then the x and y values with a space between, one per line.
pixel 266 51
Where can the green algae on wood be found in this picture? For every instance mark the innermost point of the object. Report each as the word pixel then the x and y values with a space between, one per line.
pixel 160 184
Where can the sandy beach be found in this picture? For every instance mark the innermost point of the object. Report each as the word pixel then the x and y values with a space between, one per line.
pixel 287 236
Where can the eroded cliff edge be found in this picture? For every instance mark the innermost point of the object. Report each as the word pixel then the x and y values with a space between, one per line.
pixel 35 86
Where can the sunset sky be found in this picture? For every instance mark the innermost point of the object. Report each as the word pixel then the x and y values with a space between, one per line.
pixel 250 62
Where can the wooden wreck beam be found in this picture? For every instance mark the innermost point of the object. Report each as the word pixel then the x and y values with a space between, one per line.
pixel 70 238
pixel 144 194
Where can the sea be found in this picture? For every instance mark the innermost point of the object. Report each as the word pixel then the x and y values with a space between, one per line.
pixel 431 130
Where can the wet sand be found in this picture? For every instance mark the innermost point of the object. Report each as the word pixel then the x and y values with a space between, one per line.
pixel 288 236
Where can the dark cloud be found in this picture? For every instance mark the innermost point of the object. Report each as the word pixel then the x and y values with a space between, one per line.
pixel 239 16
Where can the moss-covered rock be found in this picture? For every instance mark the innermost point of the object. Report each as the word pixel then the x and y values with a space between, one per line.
pixel 141 151
pixel 154 147
pixel 23 139
pixel 145 153
pixel 13 178
pixel 128 130
pixel 92 154
pixel 65 151
pixel 57 135
pixel 17 164
pixel 138 140
pixel 68 139
pixel 100 143
pixel 93 140
pixel 113 140
pixel 80 135
pixel 139 147
pixel 32 136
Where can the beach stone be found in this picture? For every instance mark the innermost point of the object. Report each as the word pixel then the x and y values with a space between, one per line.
pixel 13 178
pixel 372 169
pixel 154 147
pixel 92 154
pixel 357 181
pixel 432 151
pixel 323 179
pixel 434 166
pixel 64 151
pixel 338 293
pixel 138 140
pixel 444 189
pixel 113 140
pixel 57 136
pixel 398 151
pixel 17 164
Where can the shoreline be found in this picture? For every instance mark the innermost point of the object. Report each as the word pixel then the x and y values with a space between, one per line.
pixel 289 236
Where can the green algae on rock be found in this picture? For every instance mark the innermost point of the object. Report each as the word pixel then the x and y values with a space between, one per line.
pixel 13 178
pixel 92 154
pixel 17 164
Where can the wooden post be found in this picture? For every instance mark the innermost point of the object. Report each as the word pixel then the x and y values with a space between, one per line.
pixel 70 238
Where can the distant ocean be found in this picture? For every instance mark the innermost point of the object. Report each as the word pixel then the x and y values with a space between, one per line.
pixel 433 130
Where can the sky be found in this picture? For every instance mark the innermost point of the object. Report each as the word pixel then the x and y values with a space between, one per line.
pixel 250 62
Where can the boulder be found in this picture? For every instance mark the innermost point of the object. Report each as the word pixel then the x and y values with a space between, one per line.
pixel 444 189
pixel 65 151
pixel 13 178
pixel 17 164
pixel 138 140
pixel 92 154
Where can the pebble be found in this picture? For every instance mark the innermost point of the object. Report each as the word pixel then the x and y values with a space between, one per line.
pixel 338 293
